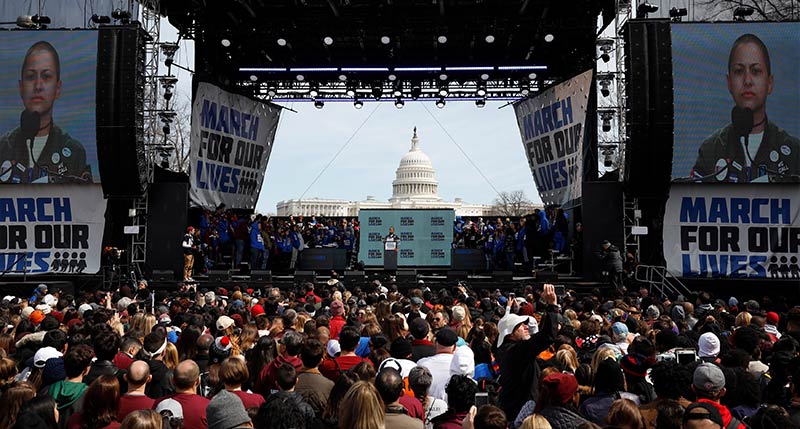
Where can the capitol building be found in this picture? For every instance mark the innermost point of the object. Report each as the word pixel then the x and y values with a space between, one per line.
pixel 414 187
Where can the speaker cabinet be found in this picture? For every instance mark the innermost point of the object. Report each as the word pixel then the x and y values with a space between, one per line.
pixel 261 275
pixel 120 107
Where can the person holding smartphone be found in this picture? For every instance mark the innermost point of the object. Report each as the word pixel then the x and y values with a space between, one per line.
pixel 516 352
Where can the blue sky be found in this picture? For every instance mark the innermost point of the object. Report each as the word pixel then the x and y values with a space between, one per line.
pixel 306 141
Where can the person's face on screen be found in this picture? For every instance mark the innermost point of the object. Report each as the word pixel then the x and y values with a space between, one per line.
pixel 749 81
pixel 40 85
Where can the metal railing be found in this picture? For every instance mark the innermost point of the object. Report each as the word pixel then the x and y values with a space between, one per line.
pixel 660 279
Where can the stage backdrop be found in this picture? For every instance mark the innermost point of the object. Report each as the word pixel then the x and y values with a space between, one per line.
pixel 425 236
pixel 68 155
pixel 232 138
pixel 552 126
pixel 733 231
pixel 704 100
pixel 51 229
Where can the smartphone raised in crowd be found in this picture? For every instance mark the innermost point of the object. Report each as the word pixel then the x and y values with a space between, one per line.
pixel 481 399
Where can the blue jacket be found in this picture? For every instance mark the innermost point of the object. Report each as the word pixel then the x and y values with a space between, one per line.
pixel 256 241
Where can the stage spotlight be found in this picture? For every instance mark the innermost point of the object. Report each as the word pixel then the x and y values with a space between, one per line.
pixel 442 39
pixel 443 76
pixel 272 90
pixel 121 15
pixel 677 14
pixel 392 77
pixel 226 43
pixel 525 88
pixel 440 103
pixel 605 46
pixel 386 40
pixel 358 104
pixel 489 39
pixel 41 21
pixel 313 90
pixel 549 37
pixel 168 92
pixel 101 19
pixel 342 77
pixel 416 91
pixel 443 90
pixel 319 104
pixel 327 40
pixel 485 76
pixel 398 89
pixel 481 91
pixel 169 49
pixel 377 91
pixel 253 78
pixel 480 103
pixel 351 90
pixel 605 84
pixel 281 41
pixel 741 12
pixel 606 117
pixel 531 76
pixel 300 77
pixel 165 129
pixel 645 8
pixel 399 103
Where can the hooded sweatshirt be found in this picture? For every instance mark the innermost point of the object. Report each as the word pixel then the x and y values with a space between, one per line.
pixel 66 393
pixel 724 412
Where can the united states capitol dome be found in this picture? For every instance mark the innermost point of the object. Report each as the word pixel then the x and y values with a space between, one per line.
pixel 415 178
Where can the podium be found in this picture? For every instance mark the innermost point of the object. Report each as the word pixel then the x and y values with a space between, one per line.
pixel 390 255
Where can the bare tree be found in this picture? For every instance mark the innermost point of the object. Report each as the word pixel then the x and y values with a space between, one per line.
pixel 766 10
pixel 513 203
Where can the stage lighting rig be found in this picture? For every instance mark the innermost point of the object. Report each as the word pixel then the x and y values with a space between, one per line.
pixel 604 81
pixel 377 90
pixel 742 12
pixel 525 88
pixel 606 116
pixel 101 19
pixel 313 89
pixel 168 83
pixel 440 103
pixel 358 104
pixel 169 49
pixel 481 91
pixel 645 9
pixel 399 103
pixel 398 89
pixel 416 91
pixel 677 14
pixel 123 16
pixel 32 22
pixel 607 150
pixel 605 46
pixel 319 104
pixel 480 103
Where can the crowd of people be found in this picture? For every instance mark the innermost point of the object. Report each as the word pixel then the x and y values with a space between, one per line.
pixel 332 355
pixel 223 237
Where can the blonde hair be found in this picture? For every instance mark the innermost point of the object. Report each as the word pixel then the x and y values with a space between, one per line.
pixel 743 319
pixel 171 359
pixel 535 421
pixel 362 408
pixel 567 359
pixel 466 324
pixel 143 322
pixel 248 337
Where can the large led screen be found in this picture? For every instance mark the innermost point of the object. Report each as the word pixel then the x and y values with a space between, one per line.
pixel 737 99
pixel 47 107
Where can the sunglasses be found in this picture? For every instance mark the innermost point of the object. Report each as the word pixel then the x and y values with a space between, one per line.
pixel 437 319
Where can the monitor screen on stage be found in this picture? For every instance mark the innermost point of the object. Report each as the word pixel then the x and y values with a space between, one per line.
pixel 47 107
pixel 736 102
pixel 422 237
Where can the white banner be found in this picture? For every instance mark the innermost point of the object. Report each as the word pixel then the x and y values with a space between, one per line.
pixel 51 229
pixel 232 138
pixel 733 231
pixel 552 126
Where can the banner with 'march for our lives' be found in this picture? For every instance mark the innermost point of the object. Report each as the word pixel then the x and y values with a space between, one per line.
pixel 232 138
pixel 54 229
pixel 552 126
pixel 737 230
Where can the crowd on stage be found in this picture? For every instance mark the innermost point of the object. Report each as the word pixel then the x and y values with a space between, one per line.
pixel 333 355
pixel 223 237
